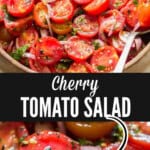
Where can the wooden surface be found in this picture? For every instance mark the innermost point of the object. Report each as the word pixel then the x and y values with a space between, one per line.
pixel 141 66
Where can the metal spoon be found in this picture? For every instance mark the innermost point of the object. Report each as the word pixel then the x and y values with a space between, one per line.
pixel 122 60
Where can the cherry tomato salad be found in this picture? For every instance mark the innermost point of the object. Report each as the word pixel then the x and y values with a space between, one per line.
pixel 72 136
pixel 71 36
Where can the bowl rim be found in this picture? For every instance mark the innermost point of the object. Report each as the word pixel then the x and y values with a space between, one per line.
pixel 28 70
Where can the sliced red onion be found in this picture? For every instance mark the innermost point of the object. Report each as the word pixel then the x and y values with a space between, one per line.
pixel 101 34
pixel 43 32
pixel 50 13
pixel 29 55
pixel 138 43
pixel 136 27
pixel 61 127
pixel 90 148
pixel 17 43
pixel 10 46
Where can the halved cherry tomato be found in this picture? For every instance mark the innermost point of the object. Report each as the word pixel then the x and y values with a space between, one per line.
pixel 36 66
pixel 118 4
pixel 29 36
pixel 82 2
pixel 86 26
pixel 16 27
pixel 79 49
pixel 62 11
pixel 49 140
pixel 79 68
pixel 104 59
pixel 11 133
pixel 111 22
pixel 90 130
pixel 130 13
pixel 96 7
pixel 144 14
pixel 137 137
pixel 144 126
pixel 20 8
pixel 40 13
pixel 62 28
pixel 3 4
pixel 48 51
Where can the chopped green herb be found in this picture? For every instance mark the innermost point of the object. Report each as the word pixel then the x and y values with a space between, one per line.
pixel 134 128
pixel 100 142
pixel 61 37
pixel 100 68
pixel 62 66
pixel 96 45
pixel 85 142
pixel 118 3
pixel 117 133
pixel 21 140
pixel 79 12
pixel 135 2
pixel 80 20
pixel 19 52
pixel 66 60
pixel 74 31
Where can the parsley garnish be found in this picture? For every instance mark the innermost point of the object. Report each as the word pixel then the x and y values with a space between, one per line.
pixel 96 45
pixel 85 142
pixel 135 2
pixel 117 133
pixel 19 52
pixel 100 67
pixel 74 31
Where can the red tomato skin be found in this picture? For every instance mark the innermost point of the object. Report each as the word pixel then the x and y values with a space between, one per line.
pixel 11 132
pixel 29 36
pixel 75 52
pixel 66 17
pixel 108 26
pixel 144 14
pixel 82 2
pixel 100 7
pixel 105 56
pixel 3 4
pixel 82 67
pixel 25 10
pixel 39 7
pixel 54 140
pixel 141 139
pixel 130 13
pixel 113 4
pixel 35 65
pixel 90 27
pixel 18 26
pixel 51 48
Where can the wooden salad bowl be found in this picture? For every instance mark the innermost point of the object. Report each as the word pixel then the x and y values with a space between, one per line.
pixel 23 68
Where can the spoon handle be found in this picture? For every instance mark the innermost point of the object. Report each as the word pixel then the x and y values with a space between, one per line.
pixel 122 60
